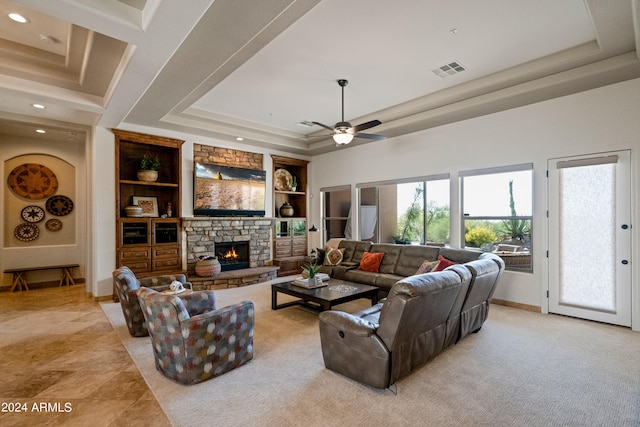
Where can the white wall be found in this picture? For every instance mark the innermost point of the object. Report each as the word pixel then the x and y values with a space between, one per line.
pixel 595 121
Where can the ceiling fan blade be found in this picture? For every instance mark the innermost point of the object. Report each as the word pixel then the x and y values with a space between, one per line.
pixel 369 136
pixel 324 126
pixel 365 126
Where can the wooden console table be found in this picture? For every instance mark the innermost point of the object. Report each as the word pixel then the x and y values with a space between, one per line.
pixel 20 282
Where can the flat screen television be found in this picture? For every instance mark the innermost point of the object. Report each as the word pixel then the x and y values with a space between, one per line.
pixel 228 191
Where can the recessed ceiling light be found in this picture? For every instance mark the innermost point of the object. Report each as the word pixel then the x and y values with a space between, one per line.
pixel 38 106
pixel 41 131
pixel 453 31
pixel 18 18
pixel 239 139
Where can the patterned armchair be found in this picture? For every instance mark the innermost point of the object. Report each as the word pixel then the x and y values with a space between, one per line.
pixel 126 285
pixel 192 340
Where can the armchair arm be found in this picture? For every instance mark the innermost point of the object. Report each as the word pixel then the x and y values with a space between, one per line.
pixel 163 280
pixel 351 347
pixel 347 323
pixel 199 302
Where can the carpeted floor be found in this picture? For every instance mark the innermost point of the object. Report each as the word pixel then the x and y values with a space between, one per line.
pixel 522 368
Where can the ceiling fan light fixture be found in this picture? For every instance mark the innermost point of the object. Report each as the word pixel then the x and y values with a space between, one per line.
pixel 342 138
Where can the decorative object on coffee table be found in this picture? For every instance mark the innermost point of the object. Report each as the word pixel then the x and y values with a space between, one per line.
pixel 310 270
pixel 286 209
pixel 208 266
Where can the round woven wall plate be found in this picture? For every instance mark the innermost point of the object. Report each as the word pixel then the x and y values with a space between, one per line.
pixel 32 214
pixel 282 180
pixel 53 224
pixel 59 205
pixel 33 181
pixel 26 232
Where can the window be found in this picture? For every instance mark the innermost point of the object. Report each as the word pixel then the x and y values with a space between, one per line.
pixel 336 205
pixel 498 213
pixel 401 210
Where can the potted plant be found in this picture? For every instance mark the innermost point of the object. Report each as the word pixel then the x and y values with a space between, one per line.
pixel 294 183
pixel 310 270
pixel 148 167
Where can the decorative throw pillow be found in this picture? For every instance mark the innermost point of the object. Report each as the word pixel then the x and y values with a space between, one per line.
pixel 444 263
pixel 371 261
pixel 333 256
pixel 427 267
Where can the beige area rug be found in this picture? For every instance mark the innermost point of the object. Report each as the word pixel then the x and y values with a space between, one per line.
pixel 521 369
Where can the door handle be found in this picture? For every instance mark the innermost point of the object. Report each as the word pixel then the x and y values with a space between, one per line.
pixel 624 262
pixel 624 226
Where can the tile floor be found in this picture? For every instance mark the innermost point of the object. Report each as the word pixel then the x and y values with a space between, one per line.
pixel 61 363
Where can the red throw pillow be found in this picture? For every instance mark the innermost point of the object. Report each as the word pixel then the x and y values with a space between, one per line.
pixel 444 263
pixel 371 261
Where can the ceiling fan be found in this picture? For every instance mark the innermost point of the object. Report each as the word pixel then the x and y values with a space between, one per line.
pixel 343 132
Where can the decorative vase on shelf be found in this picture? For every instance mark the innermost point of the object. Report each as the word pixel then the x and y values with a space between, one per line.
pixel 147 175
pixel 286 209
pixel 208 266
pixel 133 211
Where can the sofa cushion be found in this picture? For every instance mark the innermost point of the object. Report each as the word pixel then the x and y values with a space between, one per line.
pixel 412 256
pixel 391 256
pixel 427 267
pixel 333 256
pixel 443 263
pixel 354 249
pixel 371 261
pixel 359 276
pixel 386 281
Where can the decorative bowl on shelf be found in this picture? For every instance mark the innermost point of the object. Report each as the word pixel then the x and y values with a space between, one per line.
pixel 286 209
pixel 133 211
pixel 147 175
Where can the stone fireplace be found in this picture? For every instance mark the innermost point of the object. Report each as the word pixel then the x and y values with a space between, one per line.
pixel 211 235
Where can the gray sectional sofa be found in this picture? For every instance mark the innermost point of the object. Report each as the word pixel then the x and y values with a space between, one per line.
pixel 421 316
pixel 399 261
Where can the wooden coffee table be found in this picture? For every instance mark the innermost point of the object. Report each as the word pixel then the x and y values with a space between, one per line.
pixel 336 292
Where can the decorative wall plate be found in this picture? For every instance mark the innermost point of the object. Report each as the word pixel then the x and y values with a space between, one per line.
pixel 53 224
pixel 33 181
pixel 26 232
pixel 32 214
pixel 59 205
pixel 282 180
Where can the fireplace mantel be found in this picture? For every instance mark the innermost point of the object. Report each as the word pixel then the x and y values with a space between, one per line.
pixel 200 234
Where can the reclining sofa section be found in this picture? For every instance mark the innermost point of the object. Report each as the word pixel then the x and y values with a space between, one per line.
pixel 422 315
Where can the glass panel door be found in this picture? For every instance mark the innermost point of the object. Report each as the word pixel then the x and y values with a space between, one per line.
pixel 589 235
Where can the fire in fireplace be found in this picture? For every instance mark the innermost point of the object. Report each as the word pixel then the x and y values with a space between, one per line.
pixel 233 256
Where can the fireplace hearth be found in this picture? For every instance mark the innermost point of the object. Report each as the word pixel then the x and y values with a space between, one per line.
pixel 233 256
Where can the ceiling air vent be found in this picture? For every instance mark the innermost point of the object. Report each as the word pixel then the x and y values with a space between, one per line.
pixel 449 69
pixel 306 123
